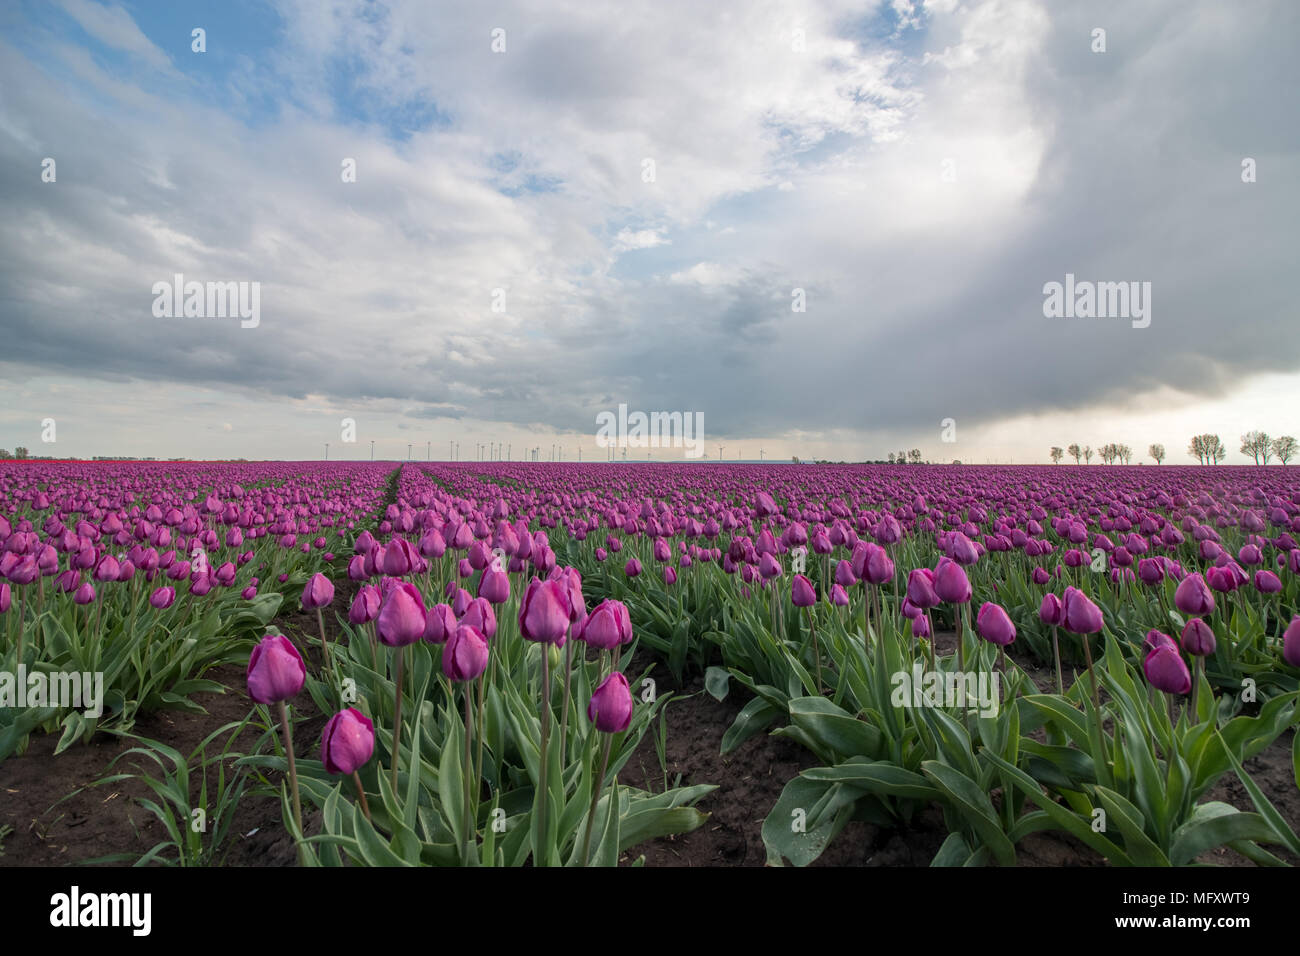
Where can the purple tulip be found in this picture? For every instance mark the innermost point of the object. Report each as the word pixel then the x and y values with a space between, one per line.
pixel 318 593
pixel 1291 642
pixel 1197 638
pixel 348 742
pixel 544 611
pixel 920 588
pixel 275 670
pixel 1081 615
pixel 802 593
pixel 1193 596
pixel 465 655
pixel 951 584
pixel 1165 670
pixel 440 624
pixel 994 625
pixel 608 626
pixel 402 617
pixel 610 708
pixel 480 616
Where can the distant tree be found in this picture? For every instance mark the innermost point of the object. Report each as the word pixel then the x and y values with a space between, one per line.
pixel 1056 454
pixel 1157 452
pixel 20 452
pixel 1196 448
pixel 1257 444
pixel 891 457
pixel 1076 452
pixel 1217 451
pixel 1284 447
pixel 1105 453
pixel 1087 454
pixel 914 456
pixel 902 458
pixel 4 453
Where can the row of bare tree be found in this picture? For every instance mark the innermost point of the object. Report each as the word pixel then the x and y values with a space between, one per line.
pixel 1206 449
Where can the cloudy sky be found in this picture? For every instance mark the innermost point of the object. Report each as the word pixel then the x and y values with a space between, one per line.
pixel 560 207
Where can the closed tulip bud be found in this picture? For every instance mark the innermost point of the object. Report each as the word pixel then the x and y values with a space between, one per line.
pixel 610 708
pixel 1165 670
pixel 1291 642
pixel 878 567
pixel 1040 576
pixel 951 584
pixel 6 597
pixel 401 618
pixel 661 551
pixel 460 601
pixel 1081 615
pixel 365 606
pixel 920 626
pixel 249 592
pixel 84 594
pixel 802 593
pixel 920 588
pixel 844 575
pixel 1198 639
pixel 440 624
pixel 1151 571
pixel 632 568
pixel 768 566
pixel 1250 555
pixel 348 742
pixel 465 655
pixel 1155 639
pixel 670 575
pixel 357 568
pixel 1193 596
pixel 544 612
pixel 1266 582
pixel 125 570
pixel 1051 611
pixel 608 626
pixel 494 586
pixel 480 616
pixel 200 585
pixel 839 596
pixel 275 670
pixel 68 581
pixel 994 625
pixel 318 593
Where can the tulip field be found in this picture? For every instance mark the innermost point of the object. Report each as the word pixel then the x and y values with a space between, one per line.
pixel 528 664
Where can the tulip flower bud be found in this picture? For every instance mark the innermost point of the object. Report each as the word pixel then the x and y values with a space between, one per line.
pixel 920 588
pixel 1165 670
pixel 1081 615
pixel 951 584
pixel 994 625
pixel 465 656
pixel 348 742
pixel 439 624
pixel 162 598
pixel 1193 596
pixel 610 708
pixel 544 612
pixel 402 617
pixel 275 670
pixel 1197 638
pixel 318 593
pixel 802 593
pixel 1291 642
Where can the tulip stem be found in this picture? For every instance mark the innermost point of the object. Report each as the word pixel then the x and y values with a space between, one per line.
pixel 320 619
pixel 468 829
pixel 817 657
pixel 961 642
pixel 397 716
pixel 1056 655
pixel 293 776
pixel 1092 674
pixel 564 715
pixel 595 798
pixel 22 621
pixel 1196 682
pixel 478 760
pixel 540 855
pixel 361 793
